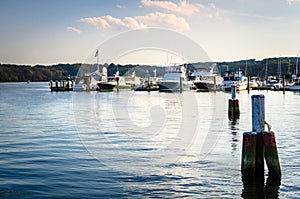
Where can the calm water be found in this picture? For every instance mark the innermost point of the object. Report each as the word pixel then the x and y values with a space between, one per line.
pixel 136 144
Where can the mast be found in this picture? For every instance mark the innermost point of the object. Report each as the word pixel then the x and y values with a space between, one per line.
pixel 297 65
pixel 97 57
pixel 266 74
pixel 98 61
pixel 246 68
pixel 279 67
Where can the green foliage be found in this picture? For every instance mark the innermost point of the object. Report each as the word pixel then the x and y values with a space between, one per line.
pixel 22 73
pixel 17 73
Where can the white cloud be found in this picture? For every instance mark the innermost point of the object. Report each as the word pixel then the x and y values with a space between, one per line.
pixel 74 29
pixel 183 8
pixel 156 19
pixel 292 1
pixel 120 6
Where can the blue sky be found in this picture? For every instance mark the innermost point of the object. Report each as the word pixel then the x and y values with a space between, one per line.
pixel 68 31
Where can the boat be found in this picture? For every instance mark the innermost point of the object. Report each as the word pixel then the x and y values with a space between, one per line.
pixel 171 80
pixel 61 85
pixel 107 83
pixel 296 84
pixel 274 83
pixel 145 87
pixel 295 79
pixel 206 81
pixel 234 78
pixel 254 82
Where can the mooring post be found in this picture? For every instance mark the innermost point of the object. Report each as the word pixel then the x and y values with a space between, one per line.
pixel 233 105
pixel 148 82
pixel 248 156
pixel 215 83
pixel 180 89
pixel 248 84
pixel 117 78
pixel 271 155
pixel 283 84
pixel 258 125
pixel 233 92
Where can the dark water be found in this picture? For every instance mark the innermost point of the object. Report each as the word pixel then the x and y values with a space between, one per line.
pixel 137 145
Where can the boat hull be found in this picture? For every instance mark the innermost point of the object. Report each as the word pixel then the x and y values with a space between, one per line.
pixel 171 86
pixel 105 87
pixel 294 88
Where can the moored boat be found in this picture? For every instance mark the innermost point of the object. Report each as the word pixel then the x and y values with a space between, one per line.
pixel 173 79
pixel 207 81
pixel 234 78
pixel 296 85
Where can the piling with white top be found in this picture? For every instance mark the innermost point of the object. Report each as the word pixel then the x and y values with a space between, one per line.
pixel 233 105
pixel 263 145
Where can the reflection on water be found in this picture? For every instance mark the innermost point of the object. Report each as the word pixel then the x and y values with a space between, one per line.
pixel 233 125
pixel 258 189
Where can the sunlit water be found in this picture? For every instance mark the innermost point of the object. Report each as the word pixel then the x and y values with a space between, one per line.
pixel 136 144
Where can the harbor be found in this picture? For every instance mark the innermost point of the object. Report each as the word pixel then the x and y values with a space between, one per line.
pixel 149 99
pixel 87 135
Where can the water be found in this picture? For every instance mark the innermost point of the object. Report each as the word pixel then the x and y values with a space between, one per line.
pixel 136 144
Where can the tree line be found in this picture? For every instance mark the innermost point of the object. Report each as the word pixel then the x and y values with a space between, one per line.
pixel 252 67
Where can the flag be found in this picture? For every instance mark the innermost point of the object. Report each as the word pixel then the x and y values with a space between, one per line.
pixel 96 54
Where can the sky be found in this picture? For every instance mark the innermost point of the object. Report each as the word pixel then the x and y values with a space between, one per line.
pixel 70 31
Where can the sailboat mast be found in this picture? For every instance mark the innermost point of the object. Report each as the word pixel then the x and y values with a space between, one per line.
pixel 297 65
pixel 246 68
pixel 266 75
pixel 279 67
pixel 98 61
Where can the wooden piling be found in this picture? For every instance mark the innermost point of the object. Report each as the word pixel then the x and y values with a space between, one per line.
pixel 233 106
pixel 233 92
pixel 271 154
pixel 259 160
pixel 258 113
pixel 148 83
pixel 248 84
pixel 215 83
pixel 283 84
pixel 248 156
pixel 180 84
pixel 258 125
pixel 117 78
pixel 265 145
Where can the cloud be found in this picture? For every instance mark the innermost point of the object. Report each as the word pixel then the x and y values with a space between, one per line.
pixel 74 29
pixel 183 8
pixel 156 19
pixel 292 1
pixel 120 6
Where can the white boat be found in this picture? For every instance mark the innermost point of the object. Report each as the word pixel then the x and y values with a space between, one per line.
pixel 274 83
pixel 254 82
pixel 206 81
pixel 171 80
pixel 296 85
pixel 234 78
